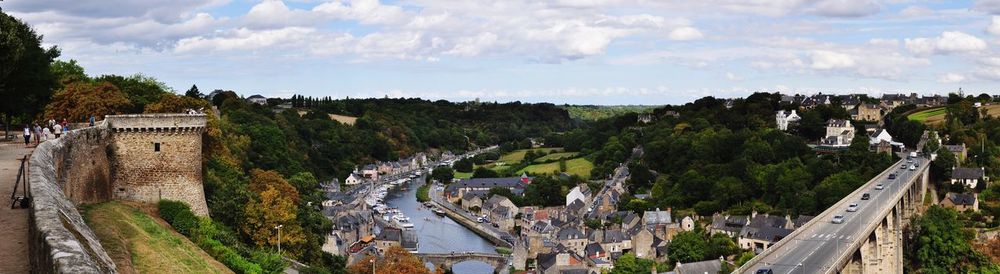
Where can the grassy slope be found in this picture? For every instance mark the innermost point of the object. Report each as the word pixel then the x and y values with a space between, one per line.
pixel 927 114
pixel 556 156
pixel 936 115
pixel 139 243
pixel 578 166
pixel 517 156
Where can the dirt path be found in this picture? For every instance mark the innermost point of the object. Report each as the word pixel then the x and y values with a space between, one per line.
pixel 13 222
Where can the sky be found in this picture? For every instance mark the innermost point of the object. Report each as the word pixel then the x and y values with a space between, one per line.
pixel 603 52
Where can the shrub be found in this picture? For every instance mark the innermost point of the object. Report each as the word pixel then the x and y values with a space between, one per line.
pixel 269 262
pixel 169 209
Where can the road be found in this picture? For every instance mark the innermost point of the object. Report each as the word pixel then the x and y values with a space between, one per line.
pixel 621 173
pixel 14 239
pixel 821 243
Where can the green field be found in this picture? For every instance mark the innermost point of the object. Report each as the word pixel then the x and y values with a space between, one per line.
pixel 517 156
pixel 463 175
pixel 578 166
pixel 139 243
pixel 556 156
pixel 928 115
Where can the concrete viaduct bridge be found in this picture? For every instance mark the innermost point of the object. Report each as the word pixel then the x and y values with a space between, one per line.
pixel 447 260
pixel 867 241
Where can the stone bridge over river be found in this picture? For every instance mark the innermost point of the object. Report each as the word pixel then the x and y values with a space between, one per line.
pixel 447 260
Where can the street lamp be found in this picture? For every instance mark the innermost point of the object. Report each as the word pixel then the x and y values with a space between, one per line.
pixel 373 265
pixel 278 227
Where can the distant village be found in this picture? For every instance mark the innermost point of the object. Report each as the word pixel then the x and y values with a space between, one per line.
pixel 558 240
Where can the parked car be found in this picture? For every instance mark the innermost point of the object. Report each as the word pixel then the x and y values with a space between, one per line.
pixel 865 196
pixel 852 207
pixel 879 187
pixel 838 219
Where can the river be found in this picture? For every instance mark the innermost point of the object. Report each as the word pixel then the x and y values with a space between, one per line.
pixel 439 234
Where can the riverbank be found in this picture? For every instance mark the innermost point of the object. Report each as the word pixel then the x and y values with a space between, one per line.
pixel 465 220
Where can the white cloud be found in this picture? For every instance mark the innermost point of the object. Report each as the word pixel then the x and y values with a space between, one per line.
pixel 916 11
pixel 825 60
pixel 685 34
pixel 243 39
pixel 846 8
pixel 949 78
pixel 994 27
pixel 949 42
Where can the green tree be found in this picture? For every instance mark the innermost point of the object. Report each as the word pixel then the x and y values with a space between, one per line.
pixel 193 92
pixel 26 81
pixel 463 165
pixel 482 172
pixel 941 245
pixel 629 264
pixel 688 246
pixel 443 174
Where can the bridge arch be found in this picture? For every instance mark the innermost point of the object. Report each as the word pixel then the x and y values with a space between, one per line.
pixel 499 262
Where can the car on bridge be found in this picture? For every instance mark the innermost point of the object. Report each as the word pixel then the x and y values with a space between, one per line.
pixel 879 187
pixel 852 207
pixel 903 166
pixel 913 167
pixel 838 219
pixel 892 176
pixel 765 271
pixel 865 196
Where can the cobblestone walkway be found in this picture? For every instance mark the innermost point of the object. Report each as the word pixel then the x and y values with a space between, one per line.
pixel 13 222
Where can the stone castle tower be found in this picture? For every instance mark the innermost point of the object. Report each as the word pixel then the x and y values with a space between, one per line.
pixel 157 156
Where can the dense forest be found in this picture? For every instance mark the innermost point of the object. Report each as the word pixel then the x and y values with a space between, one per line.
pixel 714 158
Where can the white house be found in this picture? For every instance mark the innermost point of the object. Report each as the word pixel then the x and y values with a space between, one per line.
pixel 968 176
pixel 580 192
pixel 257 99
pixel 883 135
pixel 839 133
pixel 784 119
pixel 353 179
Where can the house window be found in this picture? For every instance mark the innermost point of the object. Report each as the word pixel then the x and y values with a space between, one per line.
pixel 156 147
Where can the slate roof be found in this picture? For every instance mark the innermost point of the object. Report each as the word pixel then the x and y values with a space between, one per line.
pixel 770 234
pixel 514 183
pixel 966 173
pixel 569 233
pixel 967 199
pixel 613 236
pixel 837 123
pixel 710 266
pixel 593 249
pixel 389 234
pixel 657 217
pixel 955 148
pixel 763 220
pixel 802 220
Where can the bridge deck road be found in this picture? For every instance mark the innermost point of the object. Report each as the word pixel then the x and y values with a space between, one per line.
pixel 14 237
pixel 821 242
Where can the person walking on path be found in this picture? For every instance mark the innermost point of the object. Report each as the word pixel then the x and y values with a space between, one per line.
pixel 45 134
pixel 27 135
pixel 38 134
pixel 91 120
pixel 57 130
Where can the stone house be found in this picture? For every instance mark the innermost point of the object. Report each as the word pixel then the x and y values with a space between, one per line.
pixel 961 201
pixel 968 176
pixel 471 201
pixel 687 224
pixel 839 133
pixel 960 151
pixel 867 112
pixel 385 168
pixel 501 211
pixel 642 244
pixel 729 225
pixel 563 262
pixel 353 179
pixel 572 239
pixel 370 172
pixel 763 231
pixel 389 237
